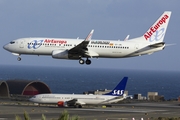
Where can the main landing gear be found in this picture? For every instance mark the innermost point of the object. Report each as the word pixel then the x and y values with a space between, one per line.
pixel 81 61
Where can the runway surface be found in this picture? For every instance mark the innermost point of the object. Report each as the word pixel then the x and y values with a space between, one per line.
pixel 126 111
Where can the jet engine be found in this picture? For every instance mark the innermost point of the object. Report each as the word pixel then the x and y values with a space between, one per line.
pixel 62 104
pixel 60 54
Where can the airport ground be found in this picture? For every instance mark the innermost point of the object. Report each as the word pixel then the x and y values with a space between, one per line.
pixel 125 110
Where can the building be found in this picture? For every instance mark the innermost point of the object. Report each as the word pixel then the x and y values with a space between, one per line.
pixel 154 96
pixel 22 87
pixel 4 89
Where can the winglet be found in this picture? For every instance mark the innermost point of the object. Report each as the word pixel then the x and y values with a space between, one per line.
pixel 90 35
pixel 127 37
pixel 119 89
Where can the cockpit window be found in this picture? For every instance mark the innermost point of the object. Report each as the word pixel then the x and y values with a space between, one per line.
pixel 12 42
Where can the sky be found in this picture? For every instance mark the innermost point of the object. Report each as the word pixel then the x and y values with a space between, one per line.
pixel 111 19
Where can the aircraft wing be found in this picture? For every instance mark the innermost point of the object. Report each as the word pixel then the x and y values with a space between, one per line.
pixel 80 102
pixel 81 49
pixel 75 101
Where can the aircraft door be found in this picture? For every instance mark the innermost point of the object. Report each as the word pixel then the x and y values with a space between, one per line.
pixel 21 44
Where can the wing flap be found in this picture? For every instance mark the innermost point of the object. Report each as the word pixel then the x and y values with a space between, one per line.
pixel 75 101
pixel 90 53
pixel 80 102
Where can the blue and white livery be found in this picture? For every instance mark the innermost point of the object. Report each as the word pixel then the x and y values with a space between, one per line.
pixel 78 100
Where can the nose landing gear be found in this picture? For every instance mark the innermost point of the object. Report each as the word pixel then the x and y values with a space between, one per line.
pixel 19 58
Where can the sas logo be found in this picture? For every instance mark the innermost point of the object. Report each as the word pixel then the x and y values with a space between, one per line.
pixel 118 92
pixel 35 44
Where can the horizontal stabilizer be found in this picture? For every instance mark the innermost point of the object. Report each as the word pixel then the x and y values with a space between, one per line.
pixel 157 44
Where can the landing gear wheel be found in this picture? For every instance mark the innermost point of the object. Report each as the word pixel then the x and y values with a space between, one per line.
pixel 88 62
pixel 19 59
pixel 81 61
pixel 77 106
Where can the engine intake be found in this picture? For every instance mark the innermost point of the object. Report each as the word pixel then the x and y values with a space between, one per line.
pixel 62 104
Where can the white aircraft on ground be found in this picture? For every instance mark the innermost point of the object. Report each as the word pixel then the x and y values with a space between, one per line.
pixel 76 49
pixel 78 100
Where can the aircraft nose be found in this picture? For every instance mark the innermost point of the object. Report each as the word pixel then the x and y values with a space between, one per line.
pixel 5 47
pixel 31 99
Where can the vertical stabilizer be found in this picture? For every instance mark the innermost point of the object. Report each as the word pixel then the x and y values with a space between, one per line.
pixel 156 32
pixel 119 89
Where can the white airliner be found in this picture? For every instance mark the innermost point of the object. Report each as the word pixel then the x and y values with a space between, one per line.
pixel 77 49
pixel 78 100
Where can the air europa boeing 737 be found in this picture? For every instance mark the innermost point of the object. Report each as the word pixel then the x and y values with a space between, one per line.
pixel 77 49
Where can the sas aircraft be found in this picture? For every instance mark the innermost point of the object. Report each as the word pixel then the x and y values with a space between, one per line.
pixel 78 100
pixel 78 49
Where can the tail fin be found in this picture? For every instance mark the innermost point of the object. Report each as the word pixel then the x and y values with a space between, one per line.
pixel 156 32
pixel 119 89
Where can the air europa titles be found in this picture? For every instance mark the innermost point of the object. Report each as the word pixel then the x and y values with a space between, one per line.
pixel 55 41
pixel 156 26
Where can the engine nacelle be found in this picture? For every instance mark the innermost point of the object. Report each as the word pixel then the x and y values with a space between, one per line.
pixel 62 104
pixel 60 54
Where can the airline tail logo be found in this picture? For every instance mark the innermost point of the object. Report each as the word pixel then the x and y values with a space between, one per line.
pixel 119 89
pixel 153 29
pixel 118 92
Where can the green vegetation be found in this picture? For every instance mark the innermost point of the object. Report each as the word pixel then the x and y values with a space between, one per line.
pixel 64 116
pixel 26 116
pixel 165 118
pixel 43 117
pixel 17 117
